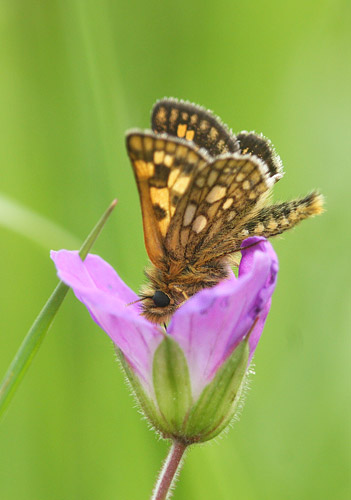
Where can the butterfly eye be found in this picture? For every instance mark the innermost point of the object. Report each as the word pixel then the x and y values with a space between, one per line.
pixel 161 299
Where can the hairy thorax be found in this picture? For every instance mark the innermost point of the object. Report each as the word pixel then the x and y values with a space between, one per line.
pixel 173 288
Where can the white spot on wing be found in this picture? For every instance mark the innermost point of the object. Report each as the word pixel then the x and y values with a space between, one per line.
pixel 227 203
pixel 189 214
pixel 199 223
pixel 216 193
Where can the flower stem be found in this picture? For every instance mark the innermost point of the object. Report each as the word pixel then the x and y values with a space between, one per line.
pixel 37 332
pixel 169 471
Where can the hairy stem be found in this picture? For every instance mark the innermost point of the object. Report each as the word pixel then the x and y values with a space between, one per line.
pixel 169 471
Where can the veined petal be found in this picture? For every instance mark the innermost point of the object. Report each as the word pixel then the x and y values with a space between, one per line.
pixel 212 323
pixel 97 285
pixel 256 331
pixel 267 291
pixel 93 270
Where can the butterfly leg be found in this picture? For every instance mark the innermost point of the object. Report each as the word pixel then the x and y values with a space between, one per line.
pixel 180 290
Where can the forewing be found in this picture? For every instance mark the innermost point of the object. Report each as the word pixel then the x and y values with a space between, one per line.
pixel 260 146
pixel 164 170
pixel 222 193
pixel 193 123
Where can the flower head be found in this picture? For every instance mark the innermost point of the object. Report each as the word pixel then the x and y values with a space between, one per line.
pixel 187 380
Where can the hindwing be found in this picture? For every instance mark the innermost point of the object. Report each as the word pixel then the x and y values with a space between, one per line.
pixel 221 195
pixel 258 145
pixel 193 123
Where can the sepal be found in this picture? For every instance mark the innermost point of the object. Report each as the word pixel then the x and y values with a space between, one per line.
pixel 172 385
pixel 147 405
pixel 171 410
pixel 217 404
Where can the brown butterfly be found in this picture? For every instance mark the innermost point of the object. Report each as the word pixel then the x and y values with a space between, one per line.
pixel 203 190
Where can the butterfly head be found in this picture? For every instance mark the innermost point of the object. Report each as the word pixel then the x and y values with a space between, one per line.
pixel 158 305
pixel 161 299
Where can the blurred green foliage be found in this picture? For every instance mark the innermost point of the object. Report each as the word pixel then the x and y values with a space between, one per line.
pixel 75 74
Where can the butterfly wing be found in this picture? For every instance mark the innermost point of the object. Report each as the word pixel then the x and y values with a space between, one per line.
pixel 193 123
pixel 221 196
pixel 260 146
pixel 204 190
pixel 164 171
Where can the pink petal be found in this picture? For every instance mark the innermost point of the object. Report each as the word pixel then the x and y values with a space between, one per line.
pixel 97 285
pixel 211 324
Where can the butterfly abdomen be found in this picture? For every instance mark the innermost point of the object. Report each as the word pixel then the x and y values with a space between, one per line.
pixel 275 219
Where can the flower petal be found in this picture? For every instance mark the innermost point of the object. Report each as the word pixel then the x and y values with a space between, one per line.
pixel 255 243
pixel 212 323
pixel 267 292
pixel 256 332
pixel 97 285
pixel 93 269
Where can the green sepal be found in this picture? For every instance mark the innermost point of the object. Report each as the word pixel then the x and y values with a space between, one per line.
pixel 145 402
pixel 172 385
pixel 218 401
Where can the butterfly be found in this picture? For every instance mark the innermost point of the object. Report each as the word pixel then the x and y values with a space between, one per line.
pixel 203 191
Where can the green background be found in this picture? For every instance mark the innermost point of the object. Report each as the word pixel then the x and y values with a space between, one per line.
pixel 74 76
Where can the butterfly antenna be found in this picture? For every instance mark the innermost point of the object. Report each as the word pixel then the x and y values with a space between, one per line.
pixel 136 301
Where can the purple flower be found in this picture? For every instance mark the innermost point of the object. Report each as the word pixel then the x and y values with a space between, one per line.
pixel 210 340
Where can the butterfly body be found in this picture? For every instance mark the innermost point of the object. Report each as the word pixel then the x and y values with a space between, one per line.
pixel 203 191
pixel 178 284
